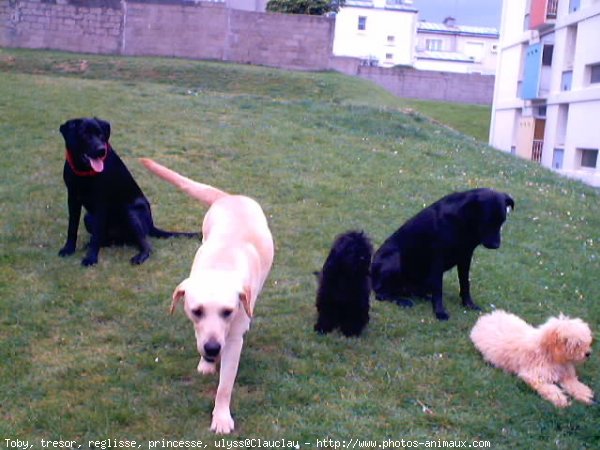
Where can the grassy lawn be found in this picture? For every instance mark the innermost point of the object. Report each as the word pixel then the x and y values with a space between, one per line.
pixel 472 120
pixel 92 354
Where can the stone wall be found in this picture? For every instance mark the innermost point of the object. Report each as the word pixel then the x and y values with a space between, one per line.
pixel 62 25
pixel 197 31
pixel 281 40
pixel 203 30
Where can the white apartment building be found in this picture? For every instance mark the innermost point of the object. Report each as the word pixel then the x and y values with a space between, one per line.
pixel 547 91
pixel 379 32
pixel 448 47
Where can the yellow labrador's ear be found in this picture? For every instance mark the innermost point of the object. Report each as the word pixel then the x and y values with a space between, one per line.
pixel 178 294
pixel 245 298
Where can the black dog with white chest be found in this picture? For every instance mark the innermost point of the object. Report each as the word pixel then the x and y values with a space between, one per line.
pixel 97 179
pixel 412 261
pixel 345 285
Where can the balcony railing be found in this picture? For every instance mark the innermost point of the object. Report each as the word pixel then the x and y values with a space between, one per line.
pixel 552 8
pixel 536 150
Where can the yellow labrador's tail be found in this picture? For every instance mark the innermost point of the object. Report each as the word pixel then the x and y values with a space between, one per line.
pixel 203 192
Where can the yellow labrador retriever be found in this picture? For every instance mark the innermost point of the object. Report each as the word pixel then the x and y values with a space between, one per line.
pixel 227 275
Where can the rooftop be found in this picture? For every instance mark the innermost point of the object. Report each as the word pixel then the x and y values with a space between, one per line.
pixel 444 56
pixel 398 5
pixel 431 27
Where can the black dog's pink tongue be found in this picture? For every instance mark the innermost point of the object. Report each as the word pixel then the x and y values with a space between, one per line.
pixel 97 164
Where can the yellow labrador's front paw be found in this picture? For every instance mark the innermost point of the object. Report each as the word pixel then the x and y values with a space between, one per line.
pixel 206 368
pixel 222 423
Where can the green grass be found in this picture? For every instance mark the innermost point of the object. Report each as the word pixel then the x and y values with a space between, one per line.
pixel 472 120
pixel 92 354
pixel 195 78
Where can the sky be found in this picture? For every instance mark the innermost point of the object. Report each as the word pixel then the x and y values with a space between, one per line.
pixel 485 13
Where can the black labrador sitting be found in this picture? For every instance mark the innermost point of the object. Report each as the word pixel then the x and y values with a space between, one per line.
pixel 412 261
pixel 97 179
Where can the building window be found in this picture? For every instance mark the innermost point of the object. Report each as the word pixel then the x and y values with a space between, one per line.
pixel 540 111
pixel 391 39
pixel 589 157
pixel 389 56
pixel 434 45
pixel 557 158
pixel 566 80
pixel 574 5
pixel 595 73
pixel 362 23
pixel 547 55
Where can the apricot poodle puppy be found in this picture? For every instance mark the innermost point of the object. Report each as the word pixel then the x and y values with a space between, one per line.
pixel 543 357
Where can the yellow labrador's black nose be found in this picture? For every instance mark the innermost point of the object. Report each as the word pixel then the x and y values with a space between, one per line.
pixel 212 349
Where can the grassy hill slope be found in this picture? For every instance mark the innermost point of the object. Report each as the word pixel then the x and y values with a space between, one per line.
pixel 91 353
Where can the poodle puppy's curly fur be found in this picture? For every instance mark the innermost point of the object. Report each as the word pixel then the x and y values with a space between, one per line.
pixel 543 357
pixel 345 285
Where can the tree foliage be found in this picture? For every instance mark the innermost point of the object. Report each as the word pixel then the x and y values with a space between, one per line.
pixel 311 7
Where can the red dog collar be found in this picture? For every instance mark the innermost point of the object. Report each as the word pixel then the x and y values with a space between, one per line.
pixel 84 173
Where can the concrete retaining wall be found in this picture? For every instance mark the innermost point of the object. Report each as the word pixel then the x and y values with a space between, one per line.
pixel 431 85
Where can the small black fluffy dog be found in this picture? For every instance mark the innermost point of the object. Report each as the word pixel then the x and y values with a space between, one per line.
pixel 97 179
pixel 412 261
pixel 345 285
